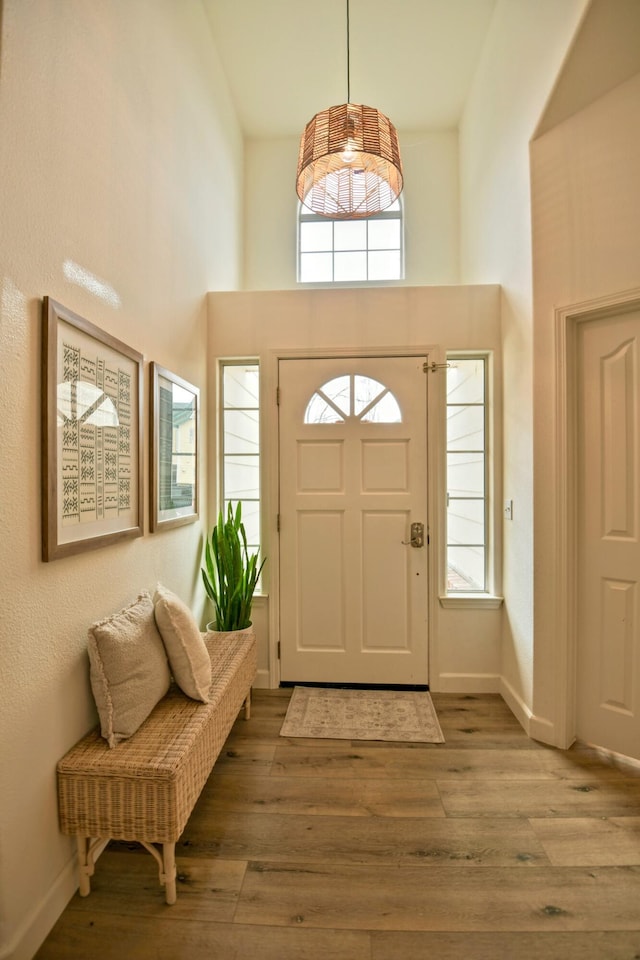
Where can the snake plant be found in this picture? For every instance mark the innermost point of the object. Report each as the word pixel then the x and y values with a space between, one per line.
pixel 229 573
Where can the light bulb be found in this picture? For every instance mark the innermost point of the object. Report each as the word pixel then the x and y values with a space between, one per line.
pixel 348 155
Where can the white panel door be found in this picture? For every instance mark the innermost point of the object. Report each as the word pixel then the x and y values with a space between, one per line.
pixel 353 478
pixel 608 668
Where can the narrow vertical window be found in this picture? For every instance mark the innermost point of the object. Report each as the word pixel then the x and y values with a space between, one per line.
pixel 467 475
pixel 240 454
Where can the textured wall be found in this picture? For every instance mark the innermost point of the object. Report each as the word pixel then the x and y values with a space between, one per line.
pixel 520 62
pixel 586 218
pixel 120 160
pixel 464 645
pixel 430 196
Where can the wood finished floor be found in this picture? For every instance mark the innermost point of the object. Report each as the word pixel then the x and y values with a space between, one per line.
pixel 487 847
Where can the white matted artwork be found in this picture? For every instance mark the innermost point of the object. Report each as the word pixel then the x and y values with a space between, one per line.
pixel 91 435
pixel 175 454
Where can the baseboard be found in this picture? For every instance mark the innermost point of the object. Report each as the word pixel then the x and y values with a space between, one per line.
pixel 516 704
pixel 261 682
pixel 545 731
pixel 538 728
pixel 466 683
pixel 33 931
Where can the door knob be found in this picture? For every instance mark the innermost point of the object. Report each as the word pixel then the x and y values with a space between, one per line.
pixel 417 535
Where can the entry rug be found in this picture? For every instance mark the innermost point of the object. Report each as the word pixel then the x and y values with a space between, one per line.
pixel 338 714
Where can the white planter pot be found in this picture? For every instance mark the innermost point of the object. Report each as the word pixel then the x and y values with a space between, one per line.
pixel 212 632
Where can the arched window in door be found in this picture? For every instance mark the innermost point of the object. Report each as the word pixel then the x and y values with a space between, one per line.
pixel 353 396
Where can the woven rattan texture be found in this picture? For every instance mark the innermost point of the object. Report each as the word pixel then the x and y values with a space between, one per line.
pixel 370 181
pixel 145 788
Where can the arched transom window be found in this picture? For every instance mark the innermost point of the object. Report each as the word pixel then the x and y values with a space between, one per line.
pixel 353 396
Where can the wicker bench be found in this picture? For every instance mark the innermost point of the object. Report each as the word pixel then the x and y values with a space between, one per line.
pixel 145 788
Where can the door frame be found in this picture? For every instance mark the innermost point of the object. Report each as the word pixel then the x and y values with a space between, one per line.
pixel 567 320
pixel 435 474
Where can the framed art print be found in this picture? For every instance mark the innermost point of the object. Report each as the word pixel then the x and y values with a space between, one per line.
pixel 175 454
pixel 91 435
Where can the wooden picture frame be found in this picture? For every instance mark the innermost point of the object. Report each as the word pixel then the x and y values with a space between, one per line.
pixel 92 455
pixel 175 449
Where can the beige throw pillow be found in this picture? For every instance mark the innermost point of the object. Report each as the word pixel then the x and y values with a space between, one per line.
pixel 129 669
pixel 188 657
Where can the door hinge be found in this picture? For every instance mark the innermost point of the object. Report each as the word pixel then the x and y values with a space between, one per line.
pixel 433 366
pixel 278 522
pixel 278 396
pixel 278 650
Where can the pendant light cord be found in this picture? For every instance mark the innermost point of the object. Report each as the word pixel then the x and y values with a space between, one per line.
pixel 348 58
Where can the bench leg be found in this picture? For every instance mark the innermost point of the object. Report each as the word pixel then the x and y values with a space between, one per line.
pixel 247 707
pixel 167 864
pixel 168 876
pixel 88 853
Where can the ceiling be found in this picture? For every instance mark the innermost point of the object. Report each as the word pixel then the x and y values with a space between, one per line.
pixel 412 59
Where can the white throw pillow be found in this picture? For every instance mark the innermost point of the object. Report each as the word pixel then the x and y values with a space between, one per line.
pixel 129 669
pixel 188 657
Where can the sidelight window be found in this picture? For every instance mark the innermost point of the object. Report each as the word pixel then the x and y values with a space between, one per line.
pixel 467 478
pixel 240 433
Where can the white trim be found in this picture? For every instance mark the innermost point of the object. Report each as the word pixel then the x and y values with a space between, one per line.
pixel 344 284
pixel 618 760
pixel 34 930
pixel 263 679
pixel 467 683
pixel 470 601
pixel 565 525
pixel 544 730
pixel 516 704
pixel 538 728
pixel 269 431
pixel 566 320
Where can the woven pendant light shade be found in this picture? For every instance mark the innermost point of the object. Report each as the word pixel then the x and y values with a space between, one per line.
pixel 349 164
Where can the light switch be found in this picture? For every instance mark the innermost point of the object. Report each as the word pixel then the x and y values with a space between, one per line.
pixel 508 509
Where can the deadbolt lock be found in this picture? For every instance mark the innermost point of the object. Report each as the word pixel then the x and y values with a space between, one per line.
pixel 417 536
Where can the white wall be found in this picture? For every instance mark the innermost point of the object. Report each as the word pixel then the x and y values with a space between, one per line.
pixel 520 62
pixel 430 162
pixel 464 645
pixel 119 152
pixel 586 221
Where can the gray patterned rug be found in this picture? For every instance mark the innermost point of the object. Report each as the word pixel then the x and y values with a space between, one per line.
pixel 337 714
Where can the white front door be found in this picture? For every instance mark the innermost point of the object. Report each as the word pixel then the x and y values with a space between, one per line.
pixel 353 479
pixel 608 515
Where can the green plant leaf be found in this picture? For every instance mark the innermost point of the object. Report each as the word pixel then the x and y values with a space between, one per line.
pixel 229 573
